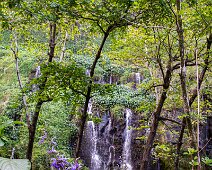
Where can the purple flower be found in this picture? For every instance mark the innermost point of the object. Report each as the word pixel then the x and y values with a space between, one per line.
pixel 43 138
pixel 53 142
pixel 52 151
pixel 60 162
pixel 75 166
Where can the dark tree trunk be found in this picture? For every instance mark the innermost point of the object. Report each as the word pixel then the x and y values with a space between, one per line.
pixel 32 130
pixel 32 127
pixel 156 118
pixel 88 95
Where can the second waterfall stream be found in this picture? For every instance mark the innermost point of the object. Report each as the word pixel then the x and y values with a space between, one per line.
pixel 127 142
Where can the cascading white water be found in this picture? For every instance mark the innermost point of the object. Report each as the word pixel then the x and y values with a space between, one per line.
pixel 111 156
pixel 127 142
pixel 88 72
pixel 137 78
pixel 95 158
pixel 38 72
pixel 147 129
pixel 89 108
pixel 37 75
pixel 107 131
pixel 110 81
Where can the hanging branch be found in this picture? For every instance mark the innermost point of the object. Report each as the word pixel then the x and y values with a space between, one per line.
pixel 168 119
pixel 167 126
pixel 205 145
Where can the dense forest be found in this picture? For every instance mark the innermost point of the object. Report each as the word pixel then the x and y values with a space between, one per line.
pixel 105 84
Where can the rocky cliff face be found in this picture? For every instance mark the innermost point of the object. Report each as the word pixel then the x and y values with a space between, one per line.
pixel 111 141
pixel 115 145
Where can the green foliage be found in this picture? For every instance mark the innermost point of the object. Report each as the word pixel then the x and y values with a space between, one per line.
pixel 96 119
pixel 145 29
pixel 65 80
pixel 10 136
pixel 5 125
pixel 207 161
pixel 117 110
pixel 194 162
pixel 120 95
pixel 166 154
pixel 142 138
pixel 191 151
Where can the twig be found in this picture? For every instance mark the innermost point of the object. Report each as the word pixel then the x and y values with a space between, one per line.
pixel 167 126
pixel 158 85
pixel 205 145
pixel 171 120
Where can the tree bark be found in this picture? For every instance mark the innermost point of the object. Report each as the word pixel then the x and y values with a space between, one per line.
pixel 32 128
pixel 194 95
pixel 186 107
pixel 156 118
pixel 88 94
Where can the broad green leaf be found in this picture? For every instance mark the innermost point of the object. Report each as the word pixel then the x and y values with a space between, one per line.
pixel 14 164
pixel 1 142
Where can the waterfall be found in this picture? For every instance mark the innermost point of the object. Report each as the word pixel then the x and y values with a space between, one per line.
pixel 147 129
pixel 107 132
pixel 127 142
pixel 89 111
pixel 111 157
pixel 137 78
pixel 110 81
pixel 95 158
pixel 37 75
pixel 38 72
pixel 88 72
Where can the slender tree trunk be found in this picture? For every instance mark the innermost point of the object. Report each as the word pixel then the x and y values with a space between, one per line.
pixel 64 47
pixel 88 94
pixel 198 111
pixel 194 95
pixel 156 118
pixel 15 53
pixel 32 128
pixel 186 108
